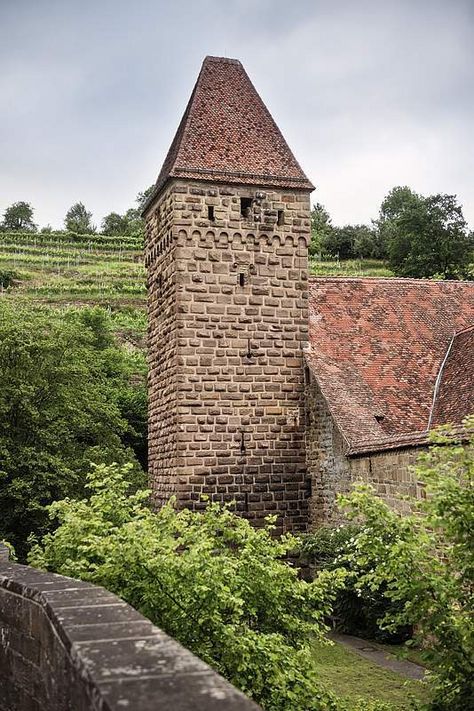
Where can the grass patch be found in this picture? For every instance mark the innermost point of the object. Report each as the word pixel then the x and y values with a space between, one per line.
pixel 349 267
pixel 351 677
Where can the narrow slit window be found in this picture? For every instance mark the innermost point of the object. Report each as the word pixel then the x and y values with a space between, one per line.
pixel 246 207
pixel 210 213
pixel 242 279
pixel 281 218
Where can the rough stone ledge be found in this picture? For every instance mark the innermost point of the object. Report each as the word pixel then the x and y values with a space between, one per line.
pixel 87 650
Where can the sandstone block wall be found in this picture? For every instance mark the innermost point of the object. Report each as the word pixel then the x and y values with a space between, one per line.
pixel 66 645
pixel 333 473
pixel 228 271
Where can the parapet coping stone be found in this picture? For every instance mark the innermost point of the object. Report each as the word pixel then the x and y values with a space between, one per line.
pixel 125 660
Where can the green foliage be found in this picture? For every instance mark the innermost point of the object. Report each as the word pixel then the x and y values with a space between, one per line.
pixel 114 224
pixel 209 579
pixel 425 236
pixel 351 241
pixel 79 220
pixel 18 218
pixel 368 243
pixel 131 223
pixel 7 278
pixel 355 611
pixel 349 267
pixel 342 242
pixel 66 267
pixel 320 227
pixel 143 197
pixel 423 562
pixel 63 385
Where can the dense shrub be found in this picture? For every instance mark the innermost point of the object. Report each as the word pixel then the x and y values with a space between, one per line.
pixel 7 278
pixel 209 579
pixel 66 391
pixel 356 610
pixel 423 562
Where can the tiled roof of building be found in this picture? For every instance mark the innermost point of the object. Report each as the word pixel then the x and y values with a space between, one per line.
pixel 454 396
pixel 376 348
pixel 227 134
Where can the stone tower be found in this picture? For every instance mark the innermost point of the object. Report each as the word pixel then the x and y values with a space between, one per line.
pixel 228 226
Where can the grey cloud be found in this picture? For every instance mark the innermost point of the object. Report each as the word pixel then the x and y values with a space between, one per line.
pixel 368 94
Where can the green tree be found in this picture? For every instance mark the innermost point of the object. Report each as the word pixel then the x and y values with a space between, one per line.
pixel 79 220
pixel 131 223
pixel 19 218
pixel 115 224
pixel 423 562
pixel 340 241
pixel 367 243
pixel 62 380
pixel 320 227
pixel 425 236
pixel 143 196
pixel 212 581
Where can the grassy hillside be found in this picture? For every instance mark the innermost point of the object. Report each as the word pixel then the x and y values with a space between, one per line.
pixel 67 268
pixel 70 269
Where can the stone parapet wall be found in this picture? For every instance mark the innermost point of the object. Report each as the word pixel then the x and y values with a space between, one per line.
pixel 67 645
pixel 229 287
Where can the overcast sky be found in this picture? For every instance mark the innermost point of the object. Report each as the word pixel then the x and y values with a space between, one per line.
pixel 369 94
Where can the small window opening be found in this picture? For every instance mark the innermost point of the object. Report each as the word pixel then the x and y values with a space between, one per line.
pixel 246 207
pixel 249 349
pixel 281 218
pixel 242 442
pixel 242 279
pixel 210 213
pixel 379 418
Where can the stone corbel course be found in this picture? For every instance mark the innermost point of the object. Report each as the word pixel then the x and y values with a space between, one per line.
pixel 67 645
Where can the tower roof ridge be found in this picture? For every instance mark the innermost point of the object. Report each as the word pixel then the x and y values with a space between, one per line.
pixel 227 134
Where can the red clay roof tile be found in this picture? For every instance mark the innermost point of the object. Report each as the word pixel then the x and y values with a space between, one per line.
pixel 376 347
pixel 454 397
pixel 228 135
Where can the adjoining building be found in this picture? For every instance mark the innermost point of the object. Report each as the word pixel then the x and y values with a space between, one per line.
pixel 387 360
pixel 245 404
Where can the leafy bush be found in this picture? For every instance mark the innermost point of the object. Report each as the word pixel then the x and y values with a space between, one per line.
pixel 423 562
pixel 7 278
pixel 209 579
pixel 63 403
pixel 356 610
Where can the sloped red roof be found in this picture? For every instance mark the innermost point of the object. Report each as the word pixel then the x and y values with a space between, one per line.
pixel 454 398
pixel 227 134
pixel 376 348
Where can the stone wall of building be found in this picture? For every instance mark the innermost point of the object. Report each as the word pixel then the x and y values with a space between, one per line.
pixel 66 645
pixel 228 320
pixel 332 472
pixel 163 374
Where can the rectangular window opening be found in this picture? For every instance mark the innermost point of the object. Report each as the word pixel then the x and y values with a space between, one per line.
pixel 246 207
pixel 242 279
pixel 210 213
pixel 281 218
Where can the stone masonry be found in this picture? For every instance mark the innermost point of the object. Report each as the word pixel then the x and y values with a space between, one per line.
pixel 332 472
pixel 268 388
pixel 228 320
pixel 67 645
